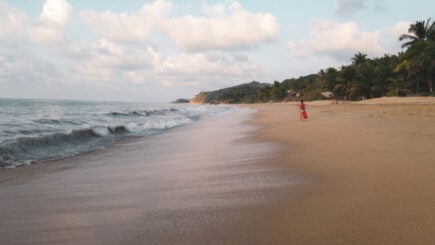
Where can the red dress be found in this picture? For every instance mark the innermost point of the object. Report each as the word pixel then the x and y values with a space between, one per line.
pixel 302 111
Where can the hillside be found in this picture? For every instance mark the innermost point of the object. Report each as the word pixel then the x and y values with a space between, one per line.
pixel 244 93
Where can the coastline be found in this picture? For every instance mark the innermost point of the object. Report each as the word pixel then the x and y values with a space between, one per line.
pixel 200 183
pixel 369 168
pixel 358 173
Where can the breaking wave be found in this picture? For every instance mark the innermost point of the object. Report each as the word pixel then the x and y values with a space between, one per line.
pixel 57 145
pixel 142 112
pixel 33 131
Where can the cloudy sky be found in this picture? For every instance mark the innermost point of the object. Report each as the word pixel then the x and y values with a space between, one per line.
pixel 157 51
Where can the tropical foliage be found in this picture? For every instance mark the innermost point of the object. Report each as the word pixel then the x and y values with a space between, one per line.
pixel 410 72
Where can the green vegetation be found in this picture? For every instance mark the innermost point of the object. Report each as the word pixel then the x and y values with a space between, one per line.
pixel 411 72
pixel 245 93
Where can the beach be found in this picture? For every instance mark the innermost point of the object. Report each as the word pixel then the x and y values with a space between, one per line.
pixel 354 173
pixel 370 168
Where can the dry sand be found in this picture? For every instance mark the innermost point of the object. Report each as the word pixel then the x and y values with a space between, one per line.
pixel 369 170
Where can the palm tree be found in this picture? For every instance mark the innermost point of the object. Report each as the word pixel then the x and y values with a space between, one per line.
pixel 321 79
pixel 420 30
pixel 359 59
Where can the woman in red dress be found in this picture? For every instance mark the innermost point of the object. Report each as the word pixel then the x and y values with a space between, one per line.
pixel 302 113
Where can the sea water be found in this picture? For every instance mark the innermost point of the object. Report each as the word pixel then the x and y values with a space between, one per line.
pixel 40 130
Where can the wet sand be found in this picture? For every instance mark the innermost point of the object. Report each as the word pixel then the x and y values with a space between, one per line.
pixel 197 184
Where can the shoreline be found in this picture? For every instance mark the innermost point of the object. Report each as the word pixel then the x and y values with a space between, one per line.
pixel 352 174
pixel 165 189
pixel 369 169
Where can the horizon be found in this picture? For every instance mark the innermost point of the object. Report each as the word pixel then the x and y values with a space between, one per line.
pixel 160 51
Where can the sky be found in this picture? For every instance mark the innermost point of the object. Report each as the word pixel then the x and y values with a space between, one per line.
pixel 158 51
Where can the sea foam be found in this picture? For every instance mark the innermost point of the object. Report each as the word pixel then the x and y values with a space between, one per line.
pixel 35 130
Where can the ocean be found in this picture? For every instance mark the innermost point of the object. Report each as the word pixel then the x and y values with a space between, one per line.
pixel 32 131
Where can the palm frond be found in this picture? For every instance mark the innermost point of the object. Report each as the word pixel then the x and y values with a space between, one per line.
pixel 407 36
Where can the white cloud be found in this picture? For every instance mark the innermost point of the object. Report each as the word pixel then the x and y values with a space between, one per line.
pixel 195 51
pixel 105 61
pixel 212 69
pixel 207 63
pixel 19 66
pixel 340 40
pixel 391 36
pixel 132 27
pixel 224 27
pixel 55 12
pixel 12 22
pixel 50 26
pixel 22 61
pixel 398 29
pixel 234 28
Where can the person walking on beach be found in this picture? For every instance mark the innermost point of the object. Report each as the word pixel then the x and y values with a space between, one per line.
pixel 302 112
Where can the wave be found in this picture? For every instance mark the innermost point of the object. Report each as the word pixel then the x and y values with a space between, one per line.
pixel 142 112
pixel 54 121
pixel 41 139
pixel 57 145
pixel 26 150
pixel 118 129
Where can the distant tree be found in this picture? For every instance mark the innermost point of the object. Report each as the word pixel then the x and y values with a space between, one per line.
pixel 420 30
pixel 263 95
pixel 359 59
pixel 330 77
pixel 321 79
pixel 278 92
pixel 419 64
pixel 383 73
pixel 398 87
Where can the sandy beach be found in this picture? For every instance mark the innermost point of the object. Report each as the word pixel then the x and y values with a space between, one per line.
pixel 354 173
pixel 369 166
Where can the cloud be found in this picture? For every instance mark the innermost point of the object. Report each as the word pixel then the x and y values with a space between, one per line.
pixel 140 51
pixel 233 28
pixel 346 8
pixel 132 27
pixel 19 66
pixel 339 40
pixel 223 28
pixel 208 63
pixel 202 69
pixel 12 23
pixel 391 36
pixel 55 13
pixel 105 61
pixel 342 40
pixel 50 26
pixel 398 29
pixel 22 61
pixel 294 50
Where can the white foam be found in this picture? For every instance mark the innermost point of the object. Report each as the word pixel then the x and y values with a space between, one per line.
pixel 101 131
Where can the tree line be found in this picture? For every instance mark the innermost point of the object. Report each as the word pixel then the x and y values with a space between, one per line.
pixel 410 72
